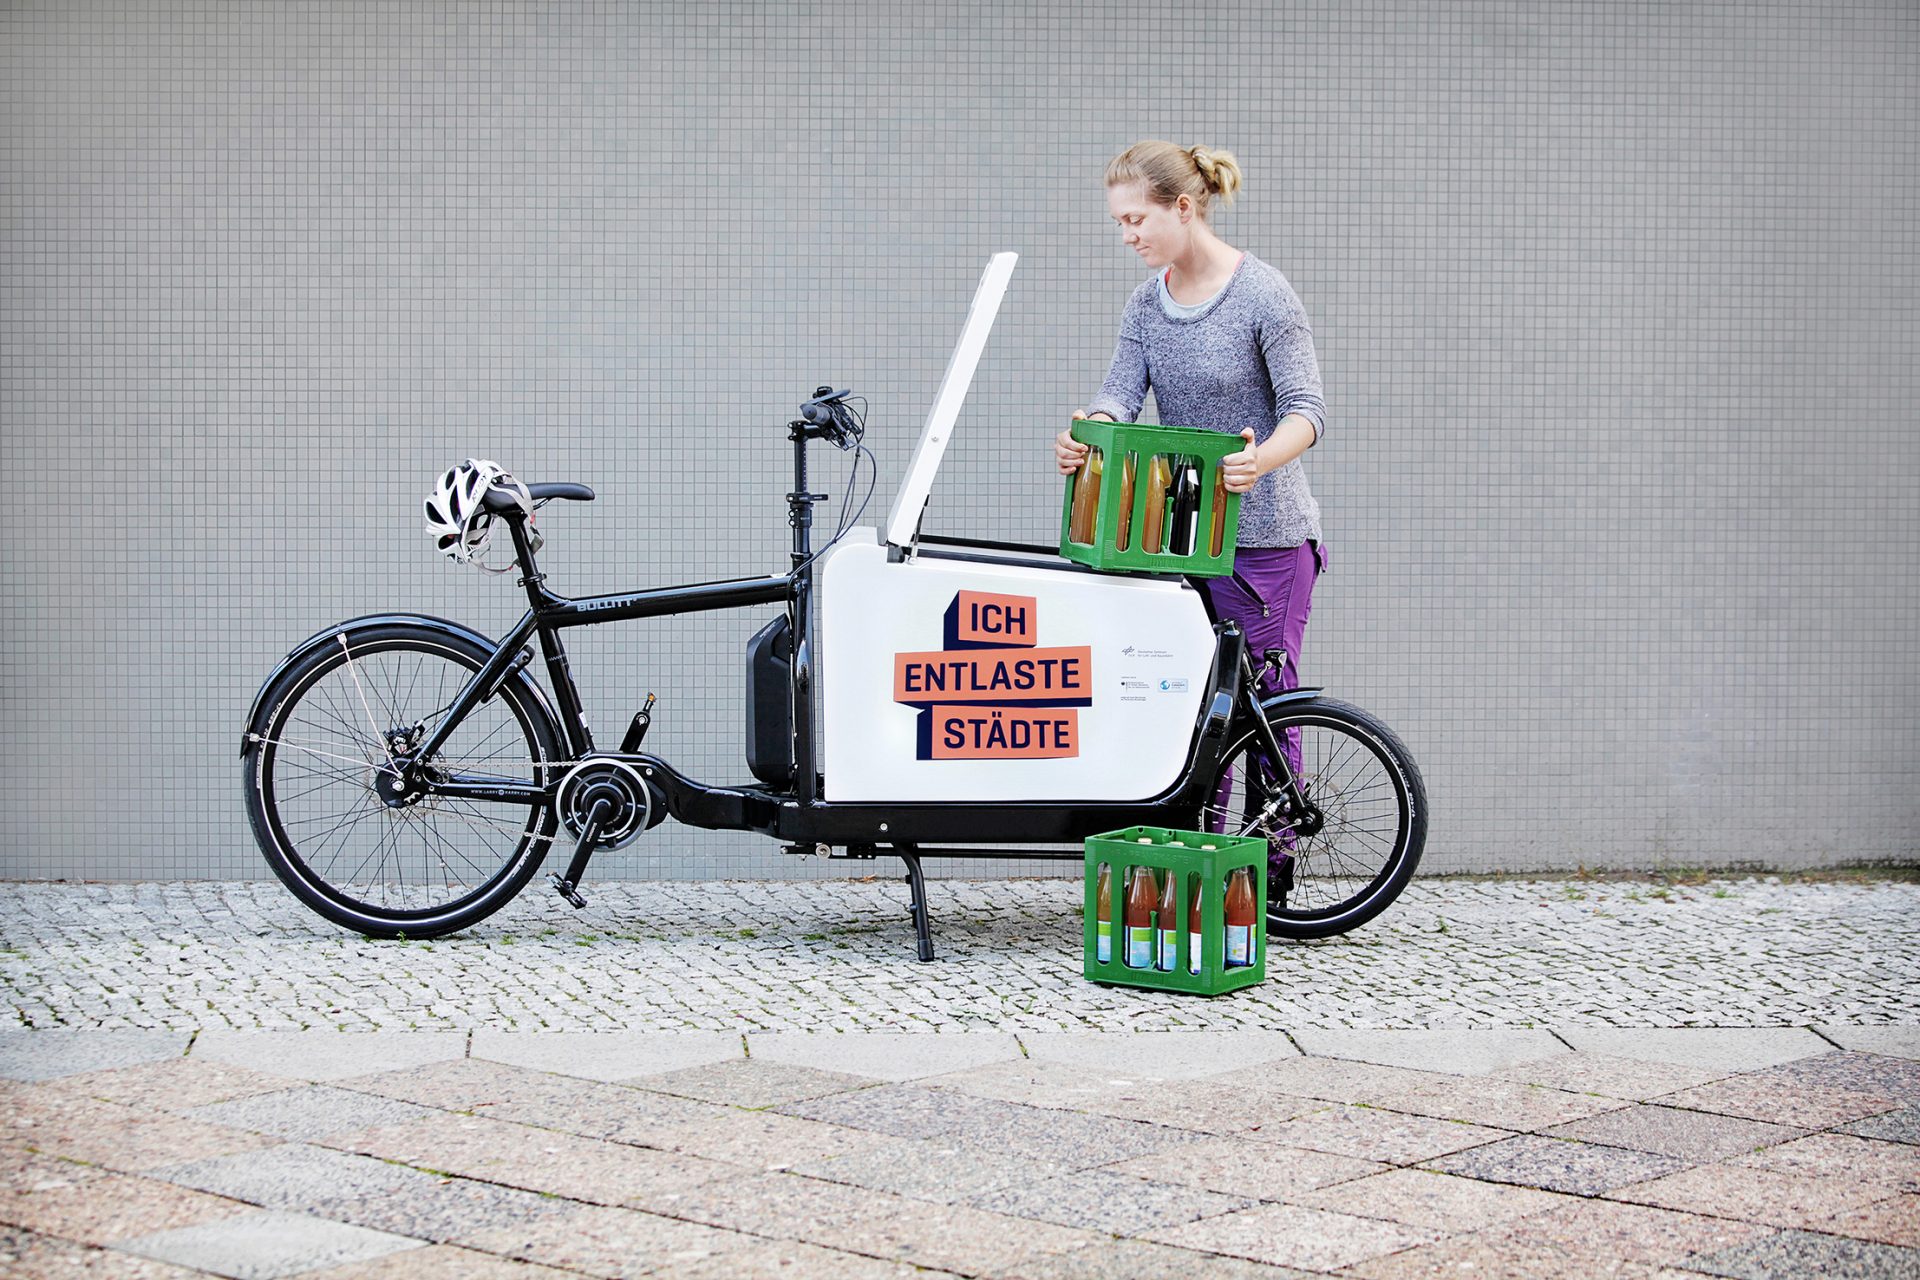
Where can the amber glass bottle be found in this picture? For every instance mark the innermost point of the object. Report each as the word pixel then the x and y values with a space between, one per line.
pixel 1142 897
pixel 1154 518
pixel 1103 914
pixel 1126 503
pixel 1086 499
pixel 1169 955
pixel 1241 910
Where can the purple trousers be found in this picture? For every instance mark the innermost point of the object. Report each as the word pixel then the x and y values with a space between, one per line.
pixel 1270 594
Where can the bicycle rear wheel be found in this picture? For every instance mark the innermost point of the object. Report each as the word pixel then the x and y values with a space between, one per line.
pixel 335 822
pixel 1346 860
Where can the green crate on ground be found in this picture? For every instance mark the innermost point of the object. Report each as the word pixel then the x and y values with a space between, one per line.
pixel 1123 534
pixel 1185 855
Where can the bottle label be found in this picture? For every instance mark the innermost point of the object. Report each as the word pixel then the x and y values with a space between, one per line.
pixel 1103 944
pixel 1140 947
pixel 1169 949
pixel 1239 946
pixel 1193 952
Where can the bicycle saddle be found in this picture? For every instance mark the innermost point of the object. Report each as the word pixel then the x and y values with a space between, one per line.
pixel 500 501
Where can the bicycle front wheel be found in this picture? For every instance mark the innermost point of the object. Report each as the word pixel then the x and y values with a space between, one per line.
pixel 334 822
pixel 1344 861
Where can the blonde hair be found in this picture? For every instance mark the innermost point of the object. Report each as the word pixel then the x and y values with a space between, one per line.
pixel 1172 171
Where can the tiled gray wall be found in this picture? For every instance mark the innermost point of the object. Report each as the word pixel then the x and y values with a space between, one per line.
pixel 1615 305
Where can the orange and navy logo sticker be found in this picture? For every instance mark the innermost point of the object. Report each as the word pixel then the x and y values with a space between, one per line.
pixel 993 693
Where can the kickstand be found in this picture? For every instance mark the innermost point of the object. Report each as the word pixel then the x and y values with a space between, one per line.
pixel 917 886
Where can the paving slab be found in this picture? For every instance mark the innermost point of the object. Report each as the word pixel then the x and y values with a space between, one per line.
pixel 1259 1169
pixel 1792 1255
pixel 1144 1260
pixel 172 1084
pixel 1504 1104
pixel 606 1055
pixel 1899 1042
pixel 570 1104
pixel 930 1169
pixel 1386 1136
pixel 266 1245
pixel 328 1055
pixel 1159 1055
pixel 90 1206
pixel 50 1054
pixel 961 1239
pixel 794 1260
pixel 1893 1165
pixel 1608 1230
pixel 1753 1195
pixel 604 1241
pixel 1467 1053
pixel 307 1114
pixel 1690 1135
pixel 1629 1079
pixel 746 1082
pixel 885 1055
pixel 1295 1235
pixel 1894 1126
pixel 1892 1221
pixel 1113 1203
pixel 1726 1049
pixel 1578 1168
pixel 516 1155
pixel 290 1176
pixel 1425 1198
pixel 441 1262
pixel 28 1255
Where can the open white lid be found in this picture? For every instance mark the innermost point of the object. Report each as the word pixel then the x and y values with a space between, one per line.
pixel 903 522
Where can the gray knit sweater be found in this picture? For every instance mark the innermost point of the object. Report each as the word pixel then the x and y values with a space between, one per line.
pixel 1246 360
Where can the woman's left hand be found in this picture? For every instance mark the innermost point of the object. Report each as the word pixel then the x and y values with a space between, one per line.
pixel 1240 470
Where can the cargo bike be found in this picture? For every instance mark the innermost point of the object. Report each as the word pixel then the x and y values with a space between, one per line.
pixel 916 696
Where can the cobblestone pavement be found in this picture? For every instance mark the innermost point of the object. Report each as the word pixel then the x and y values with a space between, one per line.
pixel 838 956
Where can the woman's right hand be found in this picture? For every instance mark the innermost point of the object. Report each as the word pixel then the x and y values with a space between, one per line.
pixel 1067 451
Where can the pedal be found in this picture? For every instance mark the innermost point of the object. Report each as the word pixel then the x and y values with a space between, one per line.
pixel 637 731
pixel 565 889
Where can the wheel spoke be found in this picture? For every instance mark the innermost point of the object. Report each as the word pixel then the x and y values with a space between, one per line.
pixel 1340 873
pixel 370 839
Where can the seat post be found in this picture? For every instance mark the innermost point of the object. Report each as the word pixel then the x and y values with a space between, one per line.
pixel 523 552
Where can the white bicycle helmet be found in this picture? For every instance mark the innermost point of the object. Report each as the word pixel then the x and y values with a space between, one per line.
pixel 457 516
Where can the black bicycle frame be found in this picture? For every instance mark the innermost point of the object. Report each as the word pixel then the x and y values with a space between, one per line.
pixel 801 816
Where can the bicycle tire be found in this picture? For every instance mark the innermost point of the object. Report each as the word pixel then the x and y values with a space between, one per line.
pixel 1364 781
pixel 322 745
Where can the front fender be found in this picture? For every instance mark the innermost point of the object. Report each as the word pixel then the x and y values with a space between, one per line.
pixel 321 639
pixel 1306 693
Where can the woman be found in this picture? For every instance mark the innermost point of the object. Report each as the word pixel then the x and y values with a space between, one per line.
pixel 1222 340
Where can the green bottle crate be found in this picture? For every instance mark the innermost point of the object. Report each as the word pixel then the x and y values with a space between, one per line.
pixel 1119 441
pixel 1180 854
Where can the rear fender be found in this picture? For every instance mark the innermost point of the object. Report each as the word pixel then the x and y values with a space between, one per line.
pixel 256 718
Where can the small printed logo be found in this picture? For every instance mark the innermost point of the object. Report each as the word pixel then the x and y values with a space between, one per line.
pixel 1129 682
pixel 1173 686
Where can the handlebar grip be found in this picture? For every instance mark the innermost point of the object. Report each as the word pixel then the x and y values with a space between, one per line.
pixel 818 414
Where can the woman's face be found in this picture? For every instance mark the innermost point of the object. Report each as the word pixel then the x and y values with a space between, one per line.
pixel 1154 231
